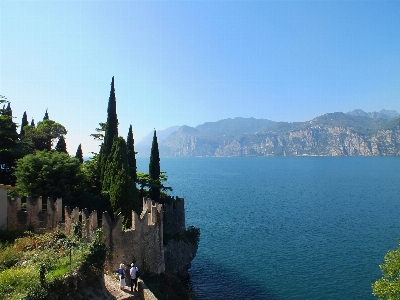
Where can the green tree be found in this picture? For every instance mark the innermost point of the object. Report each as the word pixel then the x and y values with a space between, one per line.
pixel 388 287
pixel 61 145
pixel 41 137
pixel 154 169
pixel 50 174
pixel 24 122
pixel 118 184
pixel 111 130
pixel 79 154
pixel 46 116
pixel 131 154
pixel 8 143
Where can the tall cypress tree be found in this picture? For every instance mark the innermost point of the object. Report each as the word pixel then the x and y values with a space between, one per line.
pixel 131 154
pixel 46 116
pixel 111 131
pixel 8 144
pixel 118 183
pixel 79 154
pixel 132 167
pixel 61 145
pixel 24 122
pixel 154 170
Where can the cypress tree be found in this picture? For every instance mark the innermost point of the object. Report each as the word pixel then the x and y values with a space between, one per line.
pixel 8 144
pixel 154 169
pixel 46 116
pixel 79 154
pixel 118 183
pixel 24 122
pixel 61 145
pixel 33 123
pixel 111 131
pixel 131 154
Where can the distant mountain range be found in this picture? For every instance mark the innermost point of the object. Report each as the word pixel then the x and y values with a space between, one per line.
pixel 356 133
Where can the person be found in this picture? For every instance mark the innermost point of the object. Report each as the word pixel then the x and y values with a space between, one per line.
pixel 134 279
pixel 127 276
pixel 121 276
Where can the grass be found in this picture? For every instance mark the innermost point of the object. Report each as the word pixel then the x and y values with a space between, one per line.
pixel 32 264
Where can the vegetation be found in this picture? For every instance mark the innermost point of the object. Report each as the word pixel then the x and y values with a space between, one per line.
pixel 154 169
pixel 45 266
pixel 41 266
pixel 50 174
pixel 388 287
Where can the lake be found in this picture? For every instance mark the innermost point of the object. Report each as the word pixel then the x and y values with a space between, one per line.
pixel 288 227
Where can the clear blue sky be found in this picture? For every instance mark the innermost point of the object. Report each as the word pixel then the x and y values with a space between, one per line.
pixel 190 62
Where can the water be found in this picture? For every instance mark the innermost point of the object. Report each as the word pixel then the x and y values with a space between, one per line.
pixel 288 227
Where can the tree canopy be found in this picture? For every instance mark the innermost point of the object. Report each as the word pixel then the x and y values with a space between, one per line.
pixel 50 174
pixel 8 143
pixel 154 169
pixel 388 287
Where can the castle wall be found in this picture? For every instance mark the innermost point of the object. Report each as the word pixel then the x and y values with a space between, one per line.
pixel 174 217
pixel 142 244
pixel 3 208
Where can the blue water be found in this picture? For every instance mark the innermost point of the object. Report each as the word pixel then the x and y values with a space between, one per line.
pixel 288 227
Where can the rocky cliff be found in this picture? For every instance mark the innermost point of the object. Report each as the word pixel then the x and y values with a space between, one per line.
pixel 334 134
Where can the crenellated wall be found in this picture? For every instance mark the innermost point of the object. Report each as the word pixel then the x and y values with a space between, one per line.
pixel 174 216
pixel 34 218
pixel 142 243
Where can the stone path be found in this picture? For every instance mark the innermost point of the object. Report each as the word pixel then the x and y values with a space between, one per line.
pixel 112 285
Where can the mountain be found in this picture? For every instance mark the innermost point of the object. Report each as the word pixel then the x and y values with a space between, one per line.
pixel 234 127
pixel 332 134
pixel 384 114
pixel 144 146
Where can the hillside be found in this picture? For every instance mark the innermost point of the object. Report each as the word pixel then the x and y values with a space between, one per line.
pixel 356 133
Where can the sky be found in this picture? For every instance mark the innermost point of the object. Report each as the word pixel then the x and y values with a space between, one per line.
pixel 191 62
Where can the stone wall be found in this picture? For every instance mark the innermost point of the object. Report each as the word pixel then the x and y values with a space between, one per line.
pixel 34 218
pixel 142 244
pixel 174 217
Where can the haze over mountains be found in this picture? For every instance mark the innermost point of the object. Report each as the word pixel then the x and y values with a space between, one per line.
pixel 356 133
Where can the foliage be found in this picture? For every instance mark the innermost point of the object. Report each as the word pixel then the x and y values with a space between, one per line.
pixel 131 154
pixel 50 174
pixel 118 184
pixel 43 262
pixel 111 130
pixel 42 136
pixel 24 122
pixel 79 154
pixel 190 236
pixel 154 169
pixel 388 287
pixel 61 145
pixel 145 181
pixel 8 143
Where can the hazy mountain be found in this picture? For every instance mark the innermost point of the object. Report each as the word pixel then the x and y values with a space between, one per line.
pixel 144 146
pixel 234 127
pixel 331 134
pixel 384 114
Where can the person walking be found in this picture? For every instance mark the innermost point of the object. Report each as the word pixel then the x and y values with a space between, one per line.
pixel 121 276
pixel 127 276
pixel 134 279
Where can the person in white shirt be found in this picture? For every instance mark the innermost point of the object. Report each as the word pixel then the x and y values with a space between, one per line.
pixel 134 278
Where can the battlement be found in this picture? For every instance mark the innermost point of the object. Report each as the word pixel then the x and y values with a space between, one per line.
pixel 142 243
pixel 174 216
pixel 34 217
